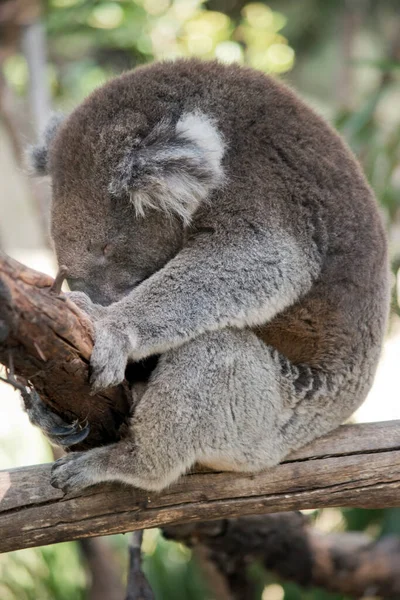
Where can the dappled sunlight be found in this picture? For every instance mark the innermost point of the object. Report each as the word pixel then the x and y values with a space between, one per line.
pixel 108 16
pixel 274 591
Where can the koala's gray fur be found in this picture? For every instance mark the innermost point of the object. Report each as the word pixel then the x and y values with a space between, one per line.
pixel 223 225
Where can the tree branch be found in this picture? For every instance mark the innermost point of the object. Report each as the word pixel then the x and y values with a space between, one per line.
pixel 352 564
pixel 51 342
pixel 357 465
pixel 138 587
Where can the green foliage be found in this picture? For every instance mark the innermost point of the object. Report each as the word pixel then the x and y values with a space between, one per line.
pixel 163 29
pixel 48 573
pixel 89 41
pixel 58 573
pixel 377 145
pixel 172 571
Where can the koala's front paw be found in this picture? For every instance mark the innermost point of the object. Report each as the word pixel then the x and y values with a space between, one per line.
pixel 109 357
pixel 74 472
pixel 82 301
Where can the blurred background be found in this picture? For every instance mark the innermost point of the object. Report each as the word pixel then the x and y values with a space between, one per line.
pixel 343 56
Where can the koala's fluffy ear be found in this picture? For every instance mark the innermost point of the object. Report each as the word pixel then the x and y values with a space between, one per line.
pixel 174 168
pixel 38 155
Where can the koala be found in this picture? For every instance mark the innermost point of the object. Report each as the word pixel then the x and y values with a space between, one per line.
pixel 209 217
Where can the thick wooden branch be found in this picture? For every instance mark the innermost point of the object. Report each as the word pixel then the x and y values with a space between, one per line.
pixel 50 340
pixel 357 465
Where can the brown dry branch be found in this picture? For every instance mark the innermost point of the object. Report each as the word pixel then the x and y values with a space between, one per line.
pixel 50 341
pixel 357 465
pixel 347 563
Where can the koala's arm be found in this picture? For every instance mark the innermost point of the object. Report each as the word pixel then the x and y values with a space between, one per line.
pixel 217 280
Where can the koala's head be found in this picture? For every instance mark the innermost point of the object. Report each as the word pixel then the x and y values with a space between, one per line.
pixel 125 184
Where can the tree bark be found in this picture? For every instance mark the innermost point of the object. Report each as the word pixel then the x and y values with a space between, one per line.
pixel 51 342
pixel 356 465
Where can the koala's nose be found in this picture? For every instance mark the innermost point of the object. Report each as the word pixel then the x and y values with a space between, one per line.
pixel 76 284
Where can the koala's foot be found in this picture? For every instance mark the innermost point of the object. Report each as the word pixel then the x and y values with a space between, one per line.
pixel 206 401
pixel 58 431
pixel 123 462
pixel 76 471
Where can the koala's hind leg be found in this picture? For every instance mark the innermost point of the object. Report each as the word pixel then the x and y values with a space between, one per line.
pixel 224 399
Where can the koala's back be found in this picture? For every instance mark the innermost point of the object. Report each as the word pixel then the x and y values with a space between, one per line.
pixel 285 169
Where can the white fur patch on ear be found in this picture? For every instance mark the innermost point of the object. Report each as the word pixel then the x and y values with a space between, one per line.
pixel 175 194
pixel 175 168
pixel 198 129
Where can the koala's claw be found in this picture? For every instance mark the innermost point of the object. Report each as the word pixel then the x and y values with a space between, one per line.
pixel 63 429
pixel 58 431
pixel 69 435
pixel 65 475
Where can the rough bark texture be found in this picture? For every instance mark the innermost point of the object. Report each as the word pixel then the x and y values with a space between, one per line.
pixel 51 343
pixel 357 465
pixel 346 563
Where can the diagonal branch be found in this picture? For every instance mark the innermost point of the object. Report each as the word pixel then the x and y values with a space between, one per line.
pixel 51 343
